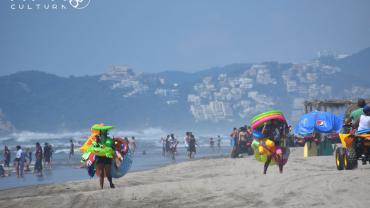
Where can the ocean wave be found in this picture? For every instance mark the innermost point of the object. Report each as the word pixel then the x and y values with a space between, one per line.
pixel 26 136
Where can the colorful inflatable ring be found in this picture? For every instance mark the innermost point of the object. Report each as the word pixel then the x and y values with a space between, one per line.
pixel 267 118
pixel 123 167
pixel 261 115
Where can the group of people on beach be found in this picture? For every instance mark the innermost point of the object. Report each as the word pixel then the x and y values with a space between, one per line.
pixel 170 142
pixel 169 145
pixel 23 160
pixel 240 140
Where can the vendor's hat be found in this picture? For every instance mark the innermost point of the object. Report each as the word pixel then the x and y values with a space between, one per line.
pixel 366 109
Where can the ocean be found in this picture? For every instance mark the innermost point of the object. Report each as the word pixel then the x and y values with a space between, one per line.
pixel 148 154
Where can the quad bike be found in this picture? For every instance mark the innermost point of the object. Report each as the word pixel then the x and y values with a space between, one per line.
pixel 354 147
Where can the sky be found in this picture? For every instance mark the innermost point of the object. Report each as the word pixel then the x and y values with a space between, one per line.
pixel 183 35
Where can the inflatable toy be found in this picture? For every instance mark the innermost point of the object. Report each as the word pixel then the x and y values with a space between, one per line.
pixel 116 148
pixel 258 120
pixel 92 137
pixel 120 168
pixel 263 151
pixel 261 115
pixel 265 147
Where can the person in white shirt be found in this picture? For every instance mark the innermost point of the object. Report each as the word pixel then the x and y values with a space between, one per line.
pixel 186 139
pixel 364 123
pixel 19 161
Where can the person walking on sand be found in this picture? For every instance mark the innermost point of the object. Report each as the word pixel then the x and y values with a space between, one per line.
pixel 103 164
pixel 19 161
pixel 6 156
pixel 38 157
pixel 275 131
pixel 71 149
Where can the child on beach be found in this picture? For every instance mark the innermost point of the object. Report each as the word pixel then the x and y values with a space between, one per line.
pixel 3 173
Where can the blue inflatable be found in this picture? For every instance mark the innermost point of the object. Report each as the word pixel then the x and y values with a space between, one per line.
pixel 123 167
pixel 318 121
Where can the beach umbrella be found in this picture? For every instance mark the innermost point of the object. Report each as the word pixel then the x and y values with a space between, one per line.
pixel 318 121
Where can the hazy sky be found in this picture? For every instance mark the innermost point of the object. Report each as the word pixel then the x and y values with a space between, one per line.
pixel 186 35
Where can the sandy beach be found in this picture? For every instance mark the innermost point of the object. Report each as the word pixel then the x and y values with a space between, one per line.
pixel 223 182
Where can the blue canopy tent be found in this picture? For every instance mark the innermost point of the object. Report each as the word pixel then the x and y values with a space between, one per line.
pixel 318 122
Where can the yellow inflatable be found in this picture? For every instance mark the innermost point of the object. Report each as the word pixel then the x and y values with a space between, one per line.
pixel 91 138
pixel 268 148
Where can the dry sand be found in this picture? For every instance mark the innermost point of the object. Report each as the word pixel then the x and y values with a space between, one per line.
pixel 312 182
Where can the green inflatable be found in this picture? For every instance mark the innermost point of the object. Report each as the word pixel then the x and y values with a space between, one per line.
pixel 101 150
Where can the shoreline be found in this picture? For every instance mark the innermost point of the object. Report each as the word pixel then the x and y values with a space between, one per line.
pixel 64 168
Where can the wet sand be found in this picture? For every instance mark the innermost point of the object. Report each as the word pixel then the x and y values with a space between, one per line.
pixel 224 182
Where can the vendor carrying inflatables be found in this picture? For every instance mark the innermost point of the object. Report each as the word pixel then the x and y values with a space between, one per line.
pixel 100 151
pixel 269 129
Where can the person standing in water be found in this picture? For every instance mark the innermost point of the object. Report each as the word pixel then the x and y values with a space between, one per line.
pixel 39 157
pixel 191 147
pixel 19 161
pixel 47 156
pixel 6 156
pixel 29 156
pixel 71 149
pixel 218 142
pixel 163 141
pixel 103 164
pixel 186 140
pixel 173 146
pixel 133 145
pixel 211 143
